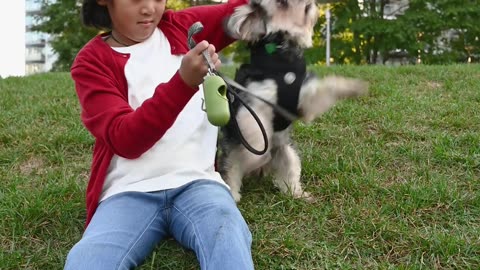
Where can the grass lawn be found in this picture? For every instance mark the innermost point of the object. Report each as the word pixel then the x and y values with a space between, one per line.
pixel 395 174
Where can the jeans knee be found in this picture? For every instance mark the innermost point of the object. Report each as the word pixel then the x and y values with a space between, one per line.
pixel 233 223
pixel 230 246
pixel 78 257
pixel 86 255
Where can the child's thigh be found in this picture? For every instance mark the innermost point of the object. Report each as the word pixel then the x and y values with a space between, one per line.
pixel 204 209
pixel 123 232
pixel 205 218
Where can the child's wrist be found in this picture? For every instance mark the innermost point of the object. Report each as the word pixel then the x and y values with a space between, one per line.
pixel 178 78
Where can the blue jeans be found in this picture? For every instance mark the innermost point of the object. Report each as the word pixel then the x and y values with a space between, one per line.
pixel 201 216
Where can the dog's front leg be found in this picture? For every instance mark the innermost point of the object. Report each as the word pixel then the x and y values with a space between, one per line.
pixel 318 95
pixel 233 177
pixel 239 163
pixel 286 166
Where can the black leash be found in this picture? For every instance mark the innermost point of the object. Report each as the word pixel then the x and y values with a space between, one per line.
pixel 285 113
pixel 231 92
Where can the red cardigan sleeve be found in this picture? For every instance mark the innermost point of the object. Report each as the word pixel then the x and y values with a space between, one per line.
pixel 212 17
pixel 106 112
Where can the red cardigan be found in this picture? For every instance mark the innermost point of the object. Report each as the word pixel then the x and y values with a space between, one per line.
pixel 101 86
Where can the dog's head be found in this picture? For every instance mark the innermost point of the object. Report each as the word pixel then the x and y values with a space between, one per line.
pixel 260 18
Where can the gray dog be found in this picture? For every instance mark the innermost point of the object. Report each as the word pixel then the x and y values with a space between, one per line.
pixel 277 32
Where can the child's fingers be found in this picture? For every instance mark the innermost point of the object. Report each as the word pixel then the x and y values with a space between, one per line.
pixel 214 57
pixel 201 46
pixel 218 63
pixel 211 49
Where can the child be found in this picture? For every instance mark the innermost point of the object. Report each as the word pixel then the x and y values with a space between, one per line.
pixel 153 172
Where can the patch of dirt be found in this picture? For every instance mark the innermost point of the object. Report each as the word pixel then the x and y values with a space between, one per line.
pixel 33 164
pixel 434 85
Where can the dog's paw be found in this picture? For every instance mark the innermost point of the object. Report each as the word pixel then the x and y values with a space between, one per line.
pixel 343 87
pixel 307 196
pixel 318 95
pixel 236 196
pixel 359 87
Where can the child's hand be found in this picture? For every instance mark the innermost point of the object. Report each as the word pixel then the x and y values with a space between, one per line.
pixel 194 67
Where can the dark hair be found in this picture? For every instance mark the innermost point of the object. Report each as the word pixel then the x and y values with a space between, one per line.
pixel 95 15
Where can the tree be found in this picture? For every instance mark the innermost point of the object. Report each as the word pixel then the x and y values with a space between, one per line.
pixel 460 30
pixel 363 32
pixel 437 31
pixel 61 19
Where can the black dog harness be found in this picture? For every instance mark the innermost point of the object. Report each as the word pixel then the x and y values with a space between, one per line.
pixel 275 58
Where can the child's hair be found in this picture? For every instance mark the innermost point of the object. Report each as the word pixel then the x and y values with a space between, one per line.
pixel 95 15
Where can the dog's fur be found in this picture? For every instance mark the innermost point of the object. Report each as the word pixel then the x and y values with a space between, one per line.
pixel 288 24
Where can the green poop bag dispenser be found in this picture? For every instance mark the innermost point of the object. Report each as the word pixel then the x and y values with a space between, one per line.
pixel 216 102
pixel 214 87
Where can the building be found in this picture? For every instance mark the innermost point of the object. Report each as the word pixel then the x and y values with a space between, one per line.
pixel 391 10
pixel 39 56
pixel 394 8
pixel 12 31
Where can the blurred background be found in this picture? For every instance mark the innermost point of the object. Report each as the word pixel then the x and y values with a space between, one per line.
pixel 45 35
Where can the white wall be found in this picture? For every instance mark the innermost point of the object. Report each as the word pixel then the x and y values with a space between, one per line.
pixel 12 33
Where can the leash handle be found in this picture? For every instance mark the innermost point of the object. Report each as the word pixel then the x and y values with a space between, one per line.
pixel 193 30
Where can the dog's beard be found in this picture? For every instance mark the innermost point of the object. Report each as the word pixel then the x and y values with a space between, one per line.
pixel 260 18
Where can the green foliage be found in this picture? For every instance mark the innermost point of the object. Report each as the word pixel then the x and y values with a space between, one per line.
pixel 361 34
pixel 177 4
pixel 62 20
pixel 443 31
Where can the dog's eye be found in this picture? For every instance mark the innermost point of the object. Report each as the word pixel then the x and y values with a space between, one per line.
pixel 307 8
pixel 283 3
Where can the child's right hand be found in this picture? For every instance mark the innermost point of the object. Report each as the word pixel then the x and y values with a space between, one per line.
pixel 193 68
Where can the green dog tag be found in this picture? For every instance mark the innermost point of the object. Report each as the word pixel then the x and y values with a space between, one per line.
pixel 270 48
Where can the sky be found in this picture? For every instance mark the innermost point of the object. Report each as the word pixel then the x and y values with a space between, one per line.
pixel 12 38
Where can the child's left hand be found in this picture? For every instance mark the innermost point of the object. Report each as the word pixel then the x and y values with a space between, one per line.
pixel 193 67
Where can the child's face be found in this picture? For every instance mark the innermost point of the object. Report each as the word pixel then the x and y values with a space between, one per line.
pixel 134 21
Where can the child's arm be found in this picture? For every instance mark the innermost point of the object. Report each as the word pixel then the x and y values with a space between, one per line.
pixel 212 17
pixel 108 116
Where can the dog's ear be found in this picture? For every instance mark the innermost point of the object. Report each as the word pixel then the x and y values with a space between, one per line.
pixel 246 23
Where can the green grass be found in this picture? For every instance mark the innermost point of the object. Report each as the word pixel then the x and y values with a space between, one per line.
pixel 395 174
